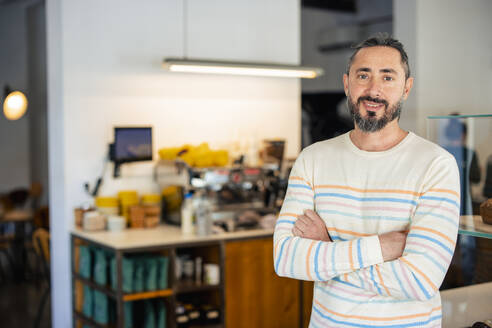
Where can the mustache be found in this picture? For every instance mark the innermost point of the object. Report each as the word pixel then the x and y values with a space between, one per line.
pixel 376 100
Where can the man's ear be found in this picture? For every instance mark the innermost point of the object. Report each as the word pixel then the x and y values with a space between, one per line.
pixel 408 87
pixel 345 83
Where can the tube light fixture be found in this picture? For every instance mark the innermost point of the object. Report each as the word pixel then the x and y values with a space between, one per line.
pixel 240 68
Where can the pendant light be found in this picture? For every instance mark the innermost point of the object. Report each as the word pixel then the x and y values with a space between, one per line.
pixel 14 104
pixel 234 67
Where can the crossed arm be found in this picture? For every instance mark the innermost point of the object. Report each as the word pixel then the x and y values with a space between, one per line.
pixel 396 264
pixel 310 225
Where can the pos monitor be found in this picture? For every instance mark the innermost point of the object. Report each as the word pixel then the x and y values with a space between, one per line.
pixel 131 144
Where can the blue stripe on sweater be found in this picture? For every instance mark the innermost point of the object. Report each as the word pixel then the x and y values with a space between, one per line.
pixel 398 279
pixel 366 217
pixel 280 254
pixel 441 199
pixel 427 256
pixel 374 280
pixel 445 218
pixel 316 255
pixel 293 257
pixel 359 253
pixel 296 185
pixel 421 286
pixel 366 199
pixel 435 241
pixel 352 324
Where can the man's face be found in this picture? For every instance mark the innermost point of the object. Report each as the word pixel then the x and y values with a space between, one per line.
pixel 376 87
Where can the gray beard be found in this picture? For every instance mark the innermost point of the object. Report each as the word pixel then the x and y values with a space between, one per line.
pixel 372 124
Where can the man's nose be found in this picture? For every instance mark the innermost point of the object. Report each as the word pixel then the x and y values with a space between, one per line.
pixel 375 88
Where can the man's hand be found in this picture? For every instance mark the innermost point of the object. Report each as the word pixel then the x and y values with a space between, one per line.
pixel 392 244
pixel 311 226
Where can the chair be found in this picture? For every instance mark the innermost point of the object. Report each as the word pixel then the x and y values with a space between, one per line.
pixel 5 241
pixel 41 243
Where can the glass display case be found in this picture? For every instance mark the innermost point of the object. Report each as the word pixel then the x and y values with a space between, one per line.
pixel 467 289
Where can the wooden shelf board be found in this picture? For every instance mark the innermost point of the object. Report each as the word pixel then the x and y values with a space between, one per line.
pixel 147 295
pixel 184 288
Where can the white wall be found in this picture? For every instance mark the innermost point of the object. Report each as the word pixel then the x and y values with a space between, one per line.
pixel 453 55
pixel 14 137
pixel 104 70
pixel 405 30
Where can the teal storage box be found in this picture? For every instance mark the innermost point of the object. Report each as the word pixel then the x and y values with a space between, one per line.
pixel 161 315
pixel 138 278
pixel 151 264
pixel 127 267
pixel 88 305
pixel 128 314
pixel 85 261
pixel 100 267
pixel 101 308
pixel 163 265
pixel 149 321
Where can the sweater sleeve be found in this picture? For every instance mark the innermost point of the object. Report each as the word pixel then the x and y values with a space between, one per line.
pixel 430 243
pixel 306 259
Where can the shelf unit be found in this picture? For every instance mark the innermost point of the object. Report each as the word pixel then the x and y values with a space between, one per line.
pixel 212 251
pixel 473 225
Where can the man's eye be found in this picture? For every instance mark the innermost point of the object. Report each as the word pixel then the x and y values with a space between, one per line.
pixel 362 76
pixel 388 78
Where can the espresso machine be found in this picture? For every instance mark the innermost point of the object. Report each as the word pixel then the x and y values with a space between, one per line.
pixel 238 193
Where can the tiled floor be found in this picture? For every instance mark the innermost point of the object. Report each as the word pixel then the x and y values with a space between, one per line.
pixel 19 303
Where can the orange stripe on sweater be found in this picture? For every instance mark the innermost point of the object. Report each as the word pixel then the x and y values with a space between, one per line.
pixel 381 279
pixel 420 272
pixel 307 260
pixel 301 179
pixel 359 234
pixel 452 192
pixel 436 232
pixel 289 214
pixel 391 191
pixel 410 316
pixel 350 256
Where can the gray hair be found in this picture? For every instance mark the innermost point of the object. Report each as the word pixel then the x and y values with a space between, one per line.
pixel 382 40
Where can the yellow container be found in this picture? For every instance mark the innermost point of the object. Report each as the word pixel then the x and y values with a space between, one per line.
pixel 151 199
pixel 127 198
pixel 128 195
pixel 106 202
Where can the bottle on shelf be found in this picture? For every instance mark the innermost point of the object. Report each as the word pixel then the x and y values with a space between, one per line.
pixel 203 216
pixel 187 215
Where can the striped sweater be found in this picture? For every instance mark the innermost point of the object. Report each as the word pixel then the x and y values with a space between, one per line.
pixel 413 186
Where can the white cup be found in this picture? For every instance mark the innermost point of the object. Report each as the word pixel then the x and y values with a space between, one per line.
pixel 212 274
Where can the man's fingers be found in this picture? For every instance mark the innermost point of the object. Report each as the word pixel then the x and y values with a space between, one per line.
pixel 303 220
pixel 296 232
pixel 312 215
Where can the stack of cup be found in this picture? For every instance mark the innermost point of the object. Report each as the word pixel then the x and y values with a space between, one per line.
pixel 127 198
pixel 152 206
pixel 107 205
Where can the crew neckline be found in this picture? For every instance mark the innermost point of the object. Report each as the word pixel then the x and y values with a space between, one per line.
pixel 366 153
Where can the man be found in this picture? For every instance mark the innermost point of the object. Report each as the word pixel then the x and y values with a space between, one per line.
pixel 372 215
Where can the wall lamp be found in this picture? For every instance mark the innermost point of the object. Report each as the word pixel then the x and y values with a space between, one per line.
pixel 14 104
pixel 240 68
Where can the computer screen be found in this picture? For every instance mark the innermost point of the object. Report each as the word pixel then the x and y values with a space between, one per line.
pixel 132 144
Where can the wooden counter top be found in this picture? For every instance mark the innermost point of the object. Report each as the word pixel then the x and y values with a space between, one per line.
pixel 163 235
